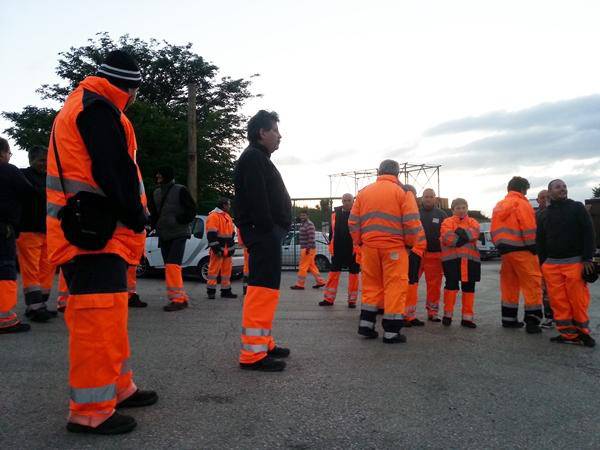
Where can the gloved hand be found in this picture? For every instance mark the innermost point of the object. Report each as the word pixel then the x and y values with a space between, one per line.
pixel 414 265
pixel 230 252
pixel 218 250
pixel 462 237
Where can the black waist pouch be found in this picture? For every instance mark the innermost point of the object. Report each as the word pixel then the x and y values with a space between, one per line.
pixel 88 220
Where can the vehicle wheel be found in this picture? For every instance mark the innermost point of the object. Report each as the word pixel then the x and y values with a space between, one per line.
pixel 143 268
pixel 322 263
pixel 203 269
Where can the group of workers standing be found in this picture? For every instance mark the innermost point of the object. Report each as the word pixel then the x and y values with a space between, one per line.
pixel 93 227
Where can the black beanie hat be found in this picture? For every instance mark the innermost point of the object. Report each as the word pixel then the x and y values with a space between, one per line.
pixel 167 173
pixel 120 69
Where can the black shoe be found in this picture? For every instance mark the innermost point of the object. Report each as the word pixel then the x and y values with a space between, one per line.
pixel 115 424
pixel 297 288
pixel 513 324
pixel 447 321
pixel 175 306
pixel 399 339
pixel 587 340
pixel 139 399
pixel 434 319
pixel 407 323
pixel 211 295
pixel 468 324
pixel 16 328
pixel 560 339
pixel 226 293
pixel 533 328
pixel 267 364
pixel 318 285
pixel 351 305
pixel 135 302
pixel 52 313
pixel 325 303
pixel 279 352
pixel 368 333
pixel 417 323
pixel 40 315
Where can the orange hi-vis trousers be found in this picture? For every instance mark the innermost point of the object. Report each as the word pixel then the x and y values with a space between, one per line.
pixel 219 264
pixel 333 281
pixel 8 281
pixel 431 265
pixel 520 272
pixel 63 292
pixel 307 264
pixel 569 295
pixel 99 372
pixel 132 280
pixel 37 275
pixel 172 253
pixel 467 300
pixel 384 277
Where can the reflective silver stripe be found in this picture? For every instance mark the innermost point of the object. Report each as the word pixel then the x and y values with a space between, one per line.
pixel 142 188
pixel 211 277
pixel 354 218
pixel 414 230
pixel 255 348
pixel 388 335
pixel 366 324
pixel 224 236
pixel 125 367
pixel 94 395
pixel 71 186
pixel 506 304
pixel 352 228
pixel 529 231
pixel 224 278
pixel 529 241
pixel 395 316
pixel 5 315
pixel 507 231
pixel 301 277
pixel 368 228
pixel 10 322
pixel 563 323
pixel 212 230
pixel 464 317
pixel 569 330
pixel 512 242
pixel 381 215
pixel 509 319
pixel 573 260
pixel 256 332
pixel 410 217
pixel 213 244
pixel 52 209
pixel 32 288
pixel 581 324
pixel 371 308
pixel 34 306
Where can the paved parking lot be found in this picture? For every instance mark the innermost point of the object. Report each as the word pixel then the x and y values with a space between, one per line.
pixel 445 388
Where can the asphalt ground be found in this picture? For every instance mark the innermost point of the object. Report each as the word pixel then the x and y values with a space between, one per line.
pixel 446 388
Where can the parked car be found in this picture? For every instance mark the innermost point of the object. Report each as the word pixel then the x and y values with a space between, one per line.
pixel 291 251
pixel 486 247
pixel 195 257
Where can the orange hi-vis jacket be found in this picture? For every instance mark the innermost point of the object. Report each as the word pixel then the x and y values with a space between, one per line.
pixel 77 174
pixel 220 229
pixel 513 224
pixel 384 215
pixel 449 238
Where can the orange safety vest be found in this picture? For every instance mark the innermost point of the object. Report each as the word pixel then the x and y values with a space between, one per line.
pixel 219 226
pixel 77 173
pixel 513 222
pixel 384 215
pixel 448 239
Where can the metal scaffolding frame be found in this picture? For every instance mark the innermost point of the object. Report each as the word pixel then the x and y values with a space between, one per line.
pixel 419 175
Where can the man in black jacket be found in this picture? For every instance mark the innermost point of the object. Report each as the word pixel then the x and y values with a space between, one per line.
pixel 263 216
pixel 37 274
pixel 565 246
pixel 13 188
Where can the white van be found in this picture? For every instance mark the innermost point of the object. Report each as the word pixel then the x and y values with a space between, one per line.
pixel 486 247
pixel 195 256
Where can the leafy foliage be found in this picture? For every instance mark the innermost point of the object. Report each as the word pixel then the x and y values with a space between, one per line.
pixel 596 191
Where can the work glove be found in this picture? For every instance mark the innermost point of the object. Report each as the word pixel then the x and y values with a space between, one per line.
pixel 218 250
pixel 230 252
pixel 462 237
pixel 414 265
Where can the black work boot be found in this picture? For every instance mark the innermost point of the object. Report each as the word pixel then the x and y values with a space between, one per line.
pixel 211 293
pixel 175 306
pixel 297 288
pixel 533 327
pixel 115 424
pixel 325 303
pixel 267 364
pixel 398 339
pixel 40 315
pixel 369 333
pixel 226 293
pixel 279 352
pixel 587 340
pixel 513 324
pixel 136 302
pixel 434 319
pixel 468 324
pixel 139 399
pixel 447 321
pixel 351 305
pixel 16 328
pixel 416 323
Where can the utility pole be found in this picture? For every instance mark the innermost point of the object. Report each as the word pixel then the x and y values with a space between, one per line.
pixel 192 152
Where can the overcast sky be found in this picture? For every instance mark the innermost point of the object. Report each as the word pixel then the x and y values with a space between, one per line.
pixel 486 89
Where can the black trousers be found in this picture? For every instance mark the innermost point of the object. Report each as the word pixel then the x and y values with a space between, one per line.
pixel 8 253
pixel 338 263
pixel 264 256
pixel 172 251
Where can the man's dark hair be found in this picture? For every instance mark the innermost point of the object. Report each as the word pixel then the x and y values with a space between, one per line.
pixel 167 173
pixel 4 147
pixel 222 202
pixel 304 211
pixel 262 120
pixel 518 184
pixel 552 182
pixel 36 151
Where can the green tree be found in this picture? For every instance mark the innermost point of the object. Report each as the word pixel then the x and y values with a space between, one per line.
pixel 159 114
pixel 596 191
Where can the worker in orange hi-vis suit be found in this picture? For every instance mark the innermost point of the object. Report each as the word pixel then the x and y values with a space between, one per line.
pixel 343 254
pixel 383 221
pixel 415 257
pixel 94 184
pixel 513 233
pixel 565 243
pixel 220 233
pixel 246 271
pixel 461 262
pixel 308 251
